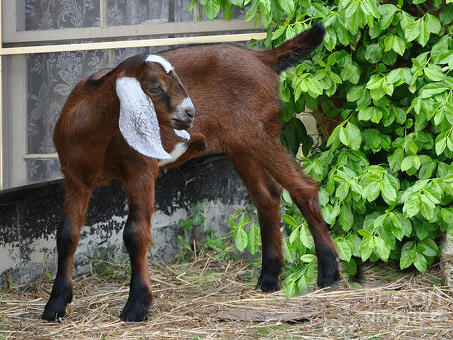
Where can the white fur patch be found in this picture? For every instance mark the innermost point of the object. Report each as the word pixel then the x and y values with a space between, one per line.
pixel 138 120
pixel 182 133
pixel 179 149
pixel 185 104
pixel 160 60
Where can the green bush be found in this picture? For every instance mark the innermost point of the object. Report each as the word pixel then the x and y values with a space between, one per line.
pixel 384 72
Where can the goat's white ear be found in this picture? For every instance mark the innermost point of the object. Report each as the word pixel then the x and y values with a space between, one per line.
pixel 138 120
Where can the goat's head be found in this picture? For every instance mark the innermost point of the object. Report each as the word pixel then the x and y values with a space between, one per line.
pixel 150 94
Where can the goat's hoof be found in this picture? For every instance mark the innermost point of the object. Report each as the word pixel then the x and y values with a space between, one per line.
pixel 54 310
pixel 268 283
pixel 328 273
pixel 134 311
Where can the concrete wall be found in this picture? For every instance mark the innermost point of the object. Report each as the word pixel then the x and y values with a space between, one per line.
pixel 29 217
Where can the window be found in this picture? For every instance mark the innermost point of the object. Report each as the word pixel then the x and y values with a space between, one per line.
pixel 47 46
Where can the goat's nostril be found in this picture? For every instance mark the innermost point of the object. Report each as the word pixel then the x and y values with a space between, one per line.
pixel 190 113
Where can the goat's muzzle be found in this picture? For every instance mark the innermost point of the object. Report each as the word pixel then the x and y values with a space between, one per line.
pixel 184 115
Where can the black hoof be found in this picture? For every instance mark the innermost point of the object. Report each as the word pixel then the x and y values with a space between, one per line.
pixel 268 283
pixel 269 280
pixel 59 298
pixel 55 308
pixel 137 305
pixel 328 273
pixel 53 311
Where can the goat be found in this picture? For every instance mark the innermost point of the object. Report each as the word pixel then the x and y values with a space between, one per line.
pixel 236 94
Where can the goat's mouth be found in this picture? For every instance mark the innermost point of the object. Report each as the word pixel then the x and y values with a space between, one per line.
pixel 181 124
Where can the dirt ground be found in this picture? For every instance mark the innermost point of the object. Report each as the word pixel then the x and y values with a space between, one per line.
pixel 213 298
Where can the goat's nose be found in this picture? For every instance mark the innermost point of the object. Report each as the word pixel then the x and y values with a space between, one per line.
pixel 190 112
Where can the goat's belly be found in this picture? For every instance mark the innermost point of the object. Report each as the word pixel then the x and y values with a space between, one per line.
pixel 177 152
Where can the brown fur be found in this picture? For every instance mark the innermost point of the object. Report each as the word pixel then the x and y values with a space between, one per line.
pixel 235 94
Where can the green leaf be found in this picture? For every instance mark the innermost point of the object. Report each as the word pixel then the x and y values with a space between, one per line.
pixel 287 197
pixel 278 32
pixel 308 258
pixel 366 247
pixel 441 142
pixel 251 13
pixel 355 137
pixel 240 239
pixel 421 231
pixel 287 254
pixel 431 248
pixel 253 236
pixel 430 90
pixel 427 207
pixel 447 215
pixel 420 262
pixel 413 30
pixel 406 257
pixel 365 114
pixel 346 218
pixel 412 205
pixel 226 11
pixel 387 191
pixel 294 236
pixel 407 163
pixel 344 250
pixel 434 73
pixel 289 220
pixel 212 8
pixel 372 191
pixel 382 249
pixel 266 5
pixel 344 136
pixel 424 33
pixel 342 190
pixel 350 267
pixel 305 237
pixel 398 45
pixel 405 20
pixel 387 13
pixel 432 23
pixel 374 52
pixel 287 6
pixel 446 15
pixel 354 93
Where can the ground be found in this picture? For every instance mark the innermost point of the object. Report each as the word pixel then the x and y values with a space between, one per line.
pixel 213 297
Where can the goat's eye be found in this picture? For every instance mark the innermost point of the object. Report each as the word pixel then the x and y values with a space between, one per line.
pixel 156 90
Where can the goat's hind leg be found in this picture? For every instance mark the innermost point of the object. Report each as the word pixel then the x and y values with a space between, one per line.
pixel 266 193
pixel 68 234
pixel 304 192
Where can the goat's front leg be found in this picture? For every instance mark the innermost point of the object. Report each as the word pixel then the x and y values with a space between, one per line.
pixel 137 237
pixel 68 234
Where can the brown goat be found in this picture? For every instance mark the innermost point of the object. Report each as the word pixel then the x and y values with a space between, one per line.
pixel 235 92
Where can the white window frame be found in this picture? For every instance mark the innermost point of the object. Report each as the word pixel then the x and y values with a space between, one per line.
pixel 17 43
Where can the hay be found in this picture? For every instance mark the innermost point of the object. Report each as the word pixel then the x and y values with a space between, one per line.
pixel 192 299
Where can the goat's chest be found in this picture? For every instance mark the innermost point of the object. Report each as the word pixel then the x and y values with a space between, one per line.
pixel 177 152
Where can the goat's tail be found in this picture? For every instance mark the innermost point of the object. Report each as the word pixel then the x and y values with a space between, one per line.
pixel 291 52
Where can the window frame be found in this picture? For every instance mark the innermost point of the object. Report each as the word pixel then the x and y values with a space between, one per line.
pixel 16 43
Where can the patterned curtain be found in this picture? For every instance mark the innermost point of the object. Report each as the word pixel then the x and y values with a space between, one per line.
pixel 52 76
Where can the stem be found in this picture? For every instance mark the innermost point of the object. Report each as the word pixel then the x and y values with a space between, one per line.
pixel 321 126
pixel 420 9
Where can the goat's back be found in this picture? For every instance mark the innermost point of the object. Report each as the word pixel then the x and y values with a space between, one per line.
pixel 234 92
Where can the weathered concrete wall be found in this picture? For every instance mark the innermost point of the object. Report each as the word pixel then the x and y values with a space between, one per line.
pixel 446 260
pixel 29 217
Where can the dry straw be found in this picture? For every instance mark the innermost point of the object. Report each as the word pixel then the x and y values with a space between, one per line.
pixel 214 298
